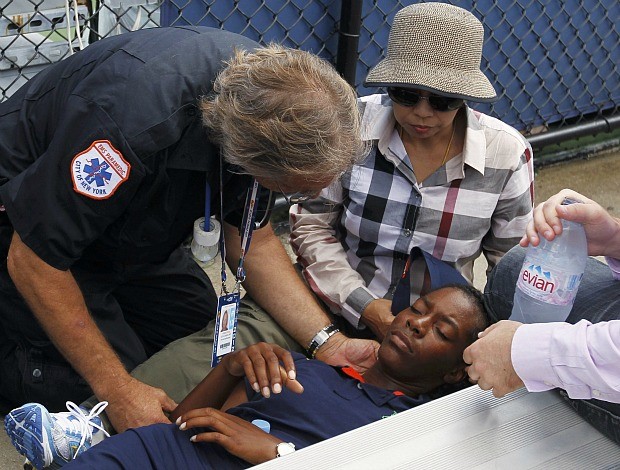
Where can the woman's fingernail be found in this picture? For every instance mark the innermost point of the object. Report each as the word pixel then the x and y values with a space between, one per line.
pixel 266 392
pixel 292 375
pixel 182 426
pixel 255 387
pixel 277 388
pixel 193 438
pixel 178 421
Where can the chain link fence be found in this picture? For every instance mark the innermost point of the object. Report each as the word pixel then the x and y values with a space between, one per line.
pixel 554 63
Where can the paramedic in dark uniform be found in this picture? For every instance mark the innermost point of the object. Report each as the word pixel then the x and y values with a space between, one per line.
pixel 104 161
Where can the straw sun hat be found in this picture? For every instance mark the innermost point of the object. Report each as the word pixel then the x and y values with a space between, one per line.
pixel 435 47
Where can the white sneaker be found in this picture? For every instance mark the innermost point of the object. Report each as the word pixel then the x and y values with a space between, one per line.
pixel 54 438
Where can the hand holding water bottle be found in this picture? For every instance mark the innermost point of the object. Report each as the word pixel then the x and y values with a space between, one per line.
pixel 602 230
pixel 509 354
pixel 550 276
pixel 572 226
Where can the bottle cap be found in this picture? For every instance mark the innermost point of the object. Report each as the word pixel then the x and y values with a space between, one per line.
pixel 569 200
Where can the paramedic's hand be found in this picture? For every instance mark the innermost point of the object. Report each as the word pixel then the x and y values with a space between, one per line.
pixel 490 359
pixel 138 404
pixel 339 350
pixel 237 436
pixel 267 367
pixel 378 317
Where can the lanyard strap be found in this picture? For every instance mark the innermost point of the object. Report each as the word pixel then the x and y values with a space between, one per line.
pixel 247 227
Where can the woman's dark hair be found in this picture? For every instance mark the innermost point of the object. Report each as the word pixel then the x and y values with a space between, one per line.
pixel 476 300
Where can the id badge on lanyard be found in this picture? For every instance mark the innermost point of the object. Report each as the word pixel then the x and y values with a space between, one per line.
pixel 225 326
pixel 228 303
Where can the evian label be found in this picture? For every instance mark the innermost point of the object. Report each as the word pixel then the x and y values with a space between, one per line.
pixel 98 171
pixel 548 285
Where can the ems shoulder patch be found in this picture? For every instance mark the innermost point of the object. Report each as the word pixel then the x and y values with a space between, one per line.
pixel 98 171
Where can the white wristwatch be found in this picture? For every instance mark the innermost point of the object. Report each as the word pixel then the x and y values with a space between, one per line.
pixel 284 448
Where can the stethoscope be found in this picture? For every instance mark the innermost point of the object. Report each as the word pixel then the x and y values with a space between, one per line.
pixel 208 234
pixel 272 201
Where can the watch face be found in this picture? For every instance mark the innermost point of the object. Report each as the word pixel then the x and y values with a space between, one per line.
pixel 285 448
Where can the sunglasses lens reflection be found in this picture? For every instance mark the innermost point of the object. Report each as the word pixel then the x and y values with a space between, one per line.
pixel 410 98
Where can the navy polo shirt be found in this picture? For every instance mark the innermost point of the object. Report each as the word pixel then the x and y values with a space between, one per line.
pixel 334 401
pixel 103 156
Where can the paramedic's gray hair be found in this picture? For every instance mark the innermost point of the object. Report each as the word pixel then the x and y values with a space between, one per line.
pixel 283 112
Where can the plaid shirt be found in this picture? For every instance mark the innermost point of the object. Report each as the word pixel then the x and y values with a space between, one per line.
pixel 353 240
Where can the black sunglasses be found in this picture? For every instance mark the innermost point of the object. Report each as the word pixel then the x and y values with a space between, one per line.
pixel 405 97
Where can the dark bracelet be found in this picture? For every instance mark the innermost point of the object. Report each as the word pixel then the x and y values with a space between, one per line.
pixel 320 339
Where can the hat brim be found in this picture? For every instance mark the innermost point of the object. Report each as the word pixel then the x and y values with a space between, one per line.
pixel 471 85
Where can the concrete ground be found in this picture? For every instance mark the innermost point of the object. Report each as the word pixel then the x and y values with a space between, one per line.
pixel 596 178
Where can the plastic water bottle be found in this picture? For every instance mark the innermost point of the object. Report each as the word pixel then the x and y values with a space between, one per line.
pixel 205 243
pixel 550 277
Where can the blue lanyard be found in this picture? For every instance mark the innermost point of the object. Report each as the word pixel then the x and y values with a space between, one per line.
pixel 247 227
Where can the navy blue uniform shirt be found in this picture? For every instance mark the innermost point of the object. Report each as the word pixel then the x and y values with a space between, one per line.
pixel 334 401
pixel 103 156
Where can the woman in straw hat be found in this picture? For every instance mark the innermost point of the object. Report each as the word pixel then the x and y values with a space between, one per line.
pixel 440 176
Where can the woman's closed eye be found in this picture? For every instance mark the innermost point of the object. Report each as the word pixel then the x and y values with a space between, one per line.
pixel 441 334
pixel 415 311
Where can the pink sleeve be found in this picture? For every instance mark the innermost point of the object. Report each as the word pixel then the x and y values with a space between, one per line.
pixel 530 355
pixel 583 359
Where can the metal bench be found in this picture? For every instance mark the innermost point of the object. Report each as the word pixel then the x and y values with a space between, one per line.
pixel 467 429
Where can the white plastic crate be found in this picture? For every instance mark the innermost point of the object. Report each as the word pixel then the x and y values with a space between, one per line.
pixel 30 49
pixel 41 20
pixel 12 7
pixel 33 35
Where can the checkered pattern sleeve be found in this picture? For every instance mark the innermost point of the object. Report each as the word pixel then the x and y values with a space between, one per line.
pixel 512 212
pixel 326 267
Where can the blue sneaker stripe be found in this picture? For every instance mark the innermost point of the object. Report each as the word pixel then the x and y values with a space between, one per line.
pixel 53 439
pixel 25 427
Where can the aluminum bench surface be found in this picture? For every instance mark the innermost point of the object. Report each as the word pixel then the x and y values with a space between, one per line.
pixel 467 429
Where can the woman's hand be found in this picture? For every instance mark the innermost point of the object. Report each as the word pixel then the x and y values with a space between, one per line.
pixel 261 364
pixel 237 436
pixel 378 317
